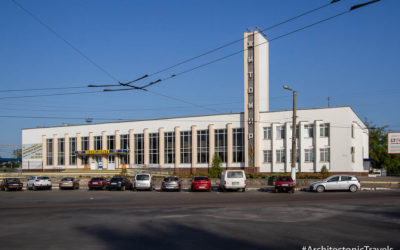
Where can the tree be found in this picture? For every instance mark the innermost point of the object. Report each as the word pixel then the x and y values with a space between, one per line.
pixel 216 170
pixel 378 150
pixel 17 153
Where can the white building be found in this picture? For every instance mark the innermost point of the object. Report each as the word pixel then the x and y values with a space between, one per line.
pixel 256 140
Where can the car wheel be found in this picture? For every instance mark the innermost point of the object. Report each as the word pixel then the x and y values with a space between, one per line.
pixel 320 189
pixel 50 188
pixel 353 188
pixel 243 189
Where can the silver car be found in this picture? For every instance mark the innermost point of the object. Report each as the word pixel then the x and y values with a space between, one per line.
pixel 143 182
pixel 337 182
pixel 69 182
pixel 39 182
pixel 171 183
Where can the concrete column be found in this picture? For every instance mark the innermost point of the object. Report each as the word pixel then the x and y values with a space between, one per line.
pixel 194 147
pixel 131 148
pixel 229 145
pixel 91 147
pixel 161 146
pixel 211 144
pixel 177 147
pixel 78 148
pixel 146 147
pixel 288 146
pixel 55 150
pixel 301 146
pixel 44 152
pixel 117 146
pixel 104 158
pixel 66 150
pixel 273 143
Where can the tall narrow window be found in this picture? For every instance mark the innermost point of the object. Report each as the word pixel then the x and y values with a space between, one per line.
pixel 268 133
pixel 169 147
pixel 186 147
pixel 324 130
pixel 267 156
pixel 124 141
pixel 153 148
pixel 297 155
pixel 85 143
pixel 280 155
pixel 220 143
pixel 202 146
pixel 139 148
pixel 324 154
pixel 49 152
pixel 309 155
pixel 61 151
pixel 238 145
pixel 72 149
pixel 308 130
pixel 280 132
pixel 98 142
pixel 110 141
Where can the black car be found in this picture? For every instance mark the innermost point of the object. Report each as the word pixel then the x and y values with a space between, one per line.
pixel 11 184
pixel 119 183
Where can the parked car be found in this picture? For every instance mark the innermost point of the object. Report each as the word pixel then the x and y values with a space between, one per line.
pixel 39 182
pixel 69 182
pixel 337 182
pixel 233 180
pixel 119 183
pixel 97 183
pixel 11 184
pixel 284 183
pixel 201 183
pixel 143 182
pixel 171 183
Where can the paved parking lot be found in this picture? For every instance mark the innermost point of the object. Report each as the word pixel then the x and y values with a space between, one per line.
pixel 152 220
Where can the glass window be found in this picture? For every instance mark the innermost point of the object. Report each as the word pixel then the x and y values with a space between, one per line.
pixel 280 155
pixel 238 145
pixel 139 148
pixel 297 130
pixel 297 155
pixel 98 142
pixel 324 130
pixel 49 152
pixel 309 155
pixel 202 146
pixel 268 133
pixel 280 132
pixel 61 151
pixel 267 156
pixel 336 178
pixel 186 147
pixel 124 141
pixel 85 143
pixel 110 141
pixel 324 154
pixel 72 149
pixel 235 174
pixel 220 143
pixel 169 147
pixel 153 148
pixel 308 130
pixel 345 178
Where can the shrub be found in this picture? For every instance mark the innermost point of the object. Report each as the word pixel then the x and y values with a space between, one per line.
pixel 324 171
pixel 216 170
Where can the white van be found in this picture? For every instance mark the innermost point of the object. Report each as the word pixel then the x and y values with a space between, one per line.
pixel 233 179
pixel 143 182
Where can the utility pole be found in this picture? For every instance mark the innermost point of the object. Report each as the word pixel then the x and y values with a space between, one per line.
pixel 294 150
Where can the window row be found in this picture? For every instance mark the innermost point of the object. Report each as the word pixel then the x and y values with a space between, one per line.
pixel 308 131
pixel 280 155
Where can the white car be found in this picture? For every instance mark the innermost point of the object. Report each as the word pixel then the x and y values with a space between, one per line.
pixel 233 180
pixel 143 182
pixel 337 182
pixel 39 182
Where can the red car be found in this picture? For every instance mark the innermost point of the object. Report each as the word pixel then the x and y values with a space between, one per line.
pixel 284 183
pixel 97 183
pixel 201 183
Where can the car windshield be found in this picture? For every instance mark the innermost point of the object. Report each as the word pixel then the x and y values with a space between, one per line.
pixel 43 178
pixel 235 174
pixel 12 180
pixel 142 177
pixel 284 178
pixel 97 179
pixel 116 179
pixel 201 178
pixel 171 179
pixel 67 179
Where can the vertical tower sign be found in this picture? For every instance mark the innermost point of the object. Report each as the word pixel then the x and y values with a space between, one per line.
pixel 256 91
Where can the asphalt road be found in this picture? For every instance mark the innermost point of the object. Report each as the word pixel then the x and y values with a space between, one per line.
pixel 153 220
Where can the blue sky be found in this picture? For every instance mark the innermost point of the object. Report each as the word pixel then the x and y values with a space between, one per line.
pixel 353 59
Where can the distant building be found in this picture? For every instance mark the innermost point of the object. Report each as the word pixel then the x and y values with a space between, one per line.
pixel 257 140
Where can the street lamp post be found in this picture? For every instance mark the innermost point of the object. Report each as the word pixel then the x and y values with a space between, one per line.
pixel 294 151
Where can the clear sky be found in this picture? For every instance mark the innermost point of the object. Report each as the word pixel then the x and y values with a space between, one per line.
pixel 353 59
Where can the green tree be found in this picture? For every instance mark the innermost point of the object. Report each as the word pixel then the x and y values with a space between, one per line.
pixel 378 150
pixel 216 170
pixel 17 153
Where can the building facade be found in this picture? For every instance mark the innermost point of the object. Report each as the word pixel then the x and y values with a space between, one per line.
pixel 256 140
